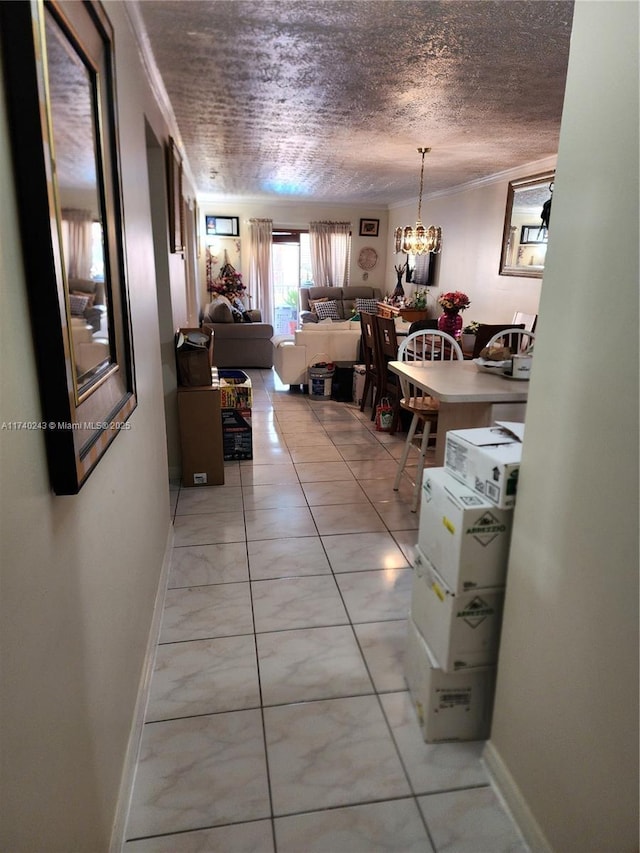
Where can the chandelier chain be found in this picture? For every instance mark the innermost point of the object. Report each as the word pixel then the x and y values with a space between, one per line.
pixel 423 151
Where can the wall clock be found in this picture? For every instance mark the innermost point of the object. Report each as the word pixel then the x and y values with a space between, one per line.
pixel 368 258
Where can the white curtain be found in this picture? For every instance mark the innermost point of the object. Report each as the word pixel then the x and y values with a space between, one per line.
pixel 260 267
pixel 330 244
pixel 76 242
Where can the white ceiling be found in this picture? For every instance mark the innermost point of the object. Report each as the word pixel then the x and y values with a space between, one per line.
pixel 328 100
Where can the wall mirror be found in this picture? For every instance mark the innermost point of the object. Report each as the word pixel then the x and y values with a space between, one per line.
pixel 59 70
pixel 525 236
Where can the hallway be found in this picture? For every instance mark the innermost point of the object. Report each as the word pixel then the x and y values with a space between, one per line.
pixel 278 719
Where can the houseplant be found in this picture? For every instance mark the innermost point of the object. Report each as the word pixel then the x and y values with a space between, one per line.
pixel 452 303
pixel 468 338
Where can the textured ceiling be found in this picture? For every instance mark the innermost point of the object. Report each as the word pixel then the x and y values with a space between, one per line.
pixel 330 99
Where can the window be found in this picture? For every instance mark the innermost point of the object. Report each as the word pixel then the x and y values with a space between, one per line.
pixel 291 270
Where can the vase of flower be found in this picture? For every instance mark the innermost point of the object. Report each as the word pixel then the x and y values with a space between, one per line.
pixel 450 322
pixel 452 303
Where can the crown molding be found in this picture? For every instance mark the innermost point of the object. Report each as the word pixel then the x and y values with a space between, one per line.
pixel 499 177
pixel 219 198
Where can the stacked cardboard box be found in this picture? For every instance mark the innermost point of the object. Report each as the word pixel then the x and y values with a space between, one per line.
pixel 200 436
pixel 458 587
pixel 236 402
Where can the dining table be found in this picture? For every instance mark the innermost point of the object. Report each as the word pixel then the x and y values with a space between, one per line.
pixel 467 396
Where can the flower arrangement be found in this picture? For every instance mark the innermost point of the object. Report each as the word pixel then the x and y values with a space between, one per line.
pixel 227 283
pixel 471 328
pixel 419 299
pixel 454 300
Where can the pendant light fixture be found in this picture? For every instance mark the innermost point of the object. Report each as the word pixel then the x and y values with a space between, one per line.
pixel 419 240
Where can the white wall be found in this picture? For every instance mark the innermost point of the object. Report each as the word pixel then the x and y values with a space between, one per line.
pixel 472 222
pixel 78 574
pixel 564 743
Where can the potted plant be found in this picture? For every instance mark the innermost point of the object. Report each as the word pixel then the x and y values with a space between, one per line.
pixel 415 308
pixel 469 333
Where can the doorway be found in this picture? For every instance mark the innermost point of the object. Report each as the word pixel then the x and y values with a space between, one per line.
pixel 291 259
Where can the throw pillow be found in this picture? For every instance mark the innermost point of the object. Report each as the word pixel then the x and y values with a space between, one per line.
pixel 219 310
pixel 327 310
pixel 369 306
pixel 77 304
pixel 313 302
pixel 89 296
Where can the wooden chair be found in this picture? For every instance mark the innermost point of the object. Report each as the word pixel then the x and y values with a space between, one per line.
pixel 387 350
pixel 370 361
pixel 486 331
pixel 422 346
pixel 517 339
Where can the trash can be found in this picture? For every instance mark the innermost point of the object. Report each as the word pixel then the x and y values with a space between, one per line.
pixel 320 378
pixel 342 386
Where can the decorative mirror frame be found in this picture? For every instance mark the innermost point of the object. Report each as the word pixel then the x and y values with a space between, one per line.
pixel 79 423
pixel 511 237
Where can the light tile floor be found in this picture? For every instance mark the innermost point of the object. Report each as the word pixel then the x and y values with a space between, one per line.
pixel 278 719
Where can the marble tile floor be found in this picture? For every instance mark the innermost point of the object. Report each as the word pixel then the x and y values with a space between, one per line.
pixel 278 719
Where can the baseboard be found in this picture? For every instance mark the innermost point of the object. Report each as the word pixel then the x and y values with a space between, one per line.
pixel 135 736
pixel 514 801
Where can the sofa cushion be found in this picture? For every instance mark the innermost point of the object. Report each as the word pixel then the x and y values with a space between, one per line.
pixel 87 286
pixel 218 311
pixel 345 298
pixel 327 310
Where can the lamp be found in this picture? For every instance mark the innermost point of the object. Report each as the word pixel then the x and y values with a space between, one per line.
pixel 419 240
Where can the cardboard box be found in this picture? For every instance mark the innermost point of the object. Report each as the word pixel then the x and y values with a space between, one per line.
pixel 462 534
pixel 200 436
pixel 194 360
pixel 236 434
pixel 235 389
pixel 450 706
pixel 462 631
pixel 487 460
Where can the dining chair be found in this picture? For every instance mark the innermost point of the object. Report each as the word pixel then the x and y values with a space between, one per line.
pixel 486 331
pixel 370 362
pixel 528 321
pixel 423 346
pixel 387 350
pixel 517 339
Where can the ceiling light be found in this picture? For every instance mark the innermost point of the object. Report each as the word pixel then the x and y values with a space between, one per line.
pixel 419 240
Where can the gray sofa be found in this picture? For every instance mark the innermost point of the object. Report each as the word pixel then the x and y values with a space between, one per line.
pixel 239 344
pixel 94 312
pixel 345 298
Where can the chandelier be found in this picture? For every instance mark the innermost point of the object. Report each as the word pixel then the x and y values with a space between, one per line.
pixel 419 240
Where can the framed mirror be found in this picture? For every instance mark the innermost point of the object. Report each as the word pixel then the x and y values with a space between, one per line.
pixel 526 232
pixel 59 70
